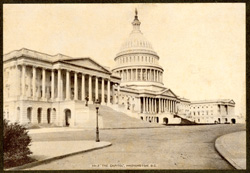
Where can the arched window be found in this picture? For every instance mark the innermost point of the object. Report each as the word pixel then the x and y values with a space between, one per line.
pixel 18 114
pixel 49 116
pixel 29 114
pixel 53 118
pixel 39 115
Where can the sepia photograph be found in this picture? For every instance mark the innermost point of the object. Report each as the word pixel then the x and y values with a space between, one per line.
pixel 130 86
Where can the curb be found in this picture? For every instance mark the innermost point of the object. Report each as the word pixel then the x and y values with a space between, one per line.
pixel 224 153
pixel 107 128
pixel 33 164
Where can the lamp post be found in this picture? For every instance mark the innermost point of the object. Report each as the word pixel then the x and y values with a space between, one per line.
pixel 97 104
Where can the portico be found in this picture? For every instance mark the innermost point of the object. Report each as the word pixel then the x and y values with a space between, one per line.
pixel 52 85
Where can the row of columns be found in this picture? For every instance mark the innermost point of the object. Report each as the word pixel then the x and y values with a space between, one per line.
pixel 158 105
pixel 143 74
pixel 60 87
pixel 122 60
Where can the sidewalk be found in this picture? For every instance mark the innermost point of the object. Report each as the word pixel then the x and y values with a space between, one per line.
pixel 233 148
pixel 48 151
pixel 53 129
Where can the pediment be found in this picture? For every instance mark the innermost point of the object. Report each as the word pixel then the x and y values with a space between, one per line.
pixel 87 63
pixel 168 92
pixel 231 101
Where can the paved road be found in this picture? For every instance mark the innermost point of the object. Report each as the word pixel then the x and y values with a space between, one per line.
pixel 173 147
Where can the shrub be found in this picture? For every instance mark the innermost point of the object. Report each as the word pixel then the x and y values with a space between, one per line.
pixel 16 143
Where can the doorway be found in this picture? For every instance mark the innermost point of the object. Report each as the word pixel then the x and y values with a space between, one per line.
pixel 67 118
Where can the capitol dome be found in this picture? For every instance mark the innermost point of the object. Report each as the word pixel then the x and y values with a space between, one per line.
pixel 137 63
pixel 136 41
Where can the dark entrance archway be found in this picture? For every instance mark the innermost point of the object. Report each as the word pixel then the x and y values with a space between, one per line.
pixel 29 114
pixel 165 120
pixel 233 121
pixel 18 114
pixel 67 117
pixel 219 120
pixel 157 119
pixel 49 115
pixel 39 115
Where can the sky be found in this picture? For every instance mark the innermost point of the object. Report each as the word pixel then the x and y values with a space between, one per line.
pixel 201 45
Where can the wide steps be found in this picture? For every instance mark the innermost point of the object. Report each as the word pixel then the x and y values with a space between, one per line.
pixel 115 119
pixel 184 120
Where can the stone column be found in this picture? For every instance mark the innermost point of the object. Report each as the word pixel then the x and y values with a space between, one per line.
pixel 75 87
pixel 59 85
pixel 43 82
pixel 136 75
pixel 163 105
pixel 155 105
pixel 159 73
pixel 103 101
pixel 168 104
pixel 171 105
pixel 146 107
pixel 141 75
pixel 52 84
pixel 67 85
pixel 150 74
pixel 108 96
pixel 90 90
pixel 149 110
pixel 96 88
pixel 131 74
pixel 159 105
pixel 175 106
pixel 23 80
pixel 161 76
pixel 83 87
pixel 34 83
pixel 128 74
pixel 154 75
pixel 157 76
pixel 144 104
pixel 140 101
pixel 151 105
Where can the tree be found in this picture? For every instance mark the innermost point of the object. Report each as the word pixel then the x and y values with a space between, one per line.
pixel 16 142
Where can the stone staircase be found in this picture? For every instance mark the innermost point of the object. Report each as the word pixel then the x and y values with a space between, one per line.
pixel 80 111
pixel 110 118
pixel 184 120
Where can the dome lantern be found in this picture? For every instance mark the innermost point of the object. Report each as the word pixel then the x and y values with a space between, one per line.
pixel 136 23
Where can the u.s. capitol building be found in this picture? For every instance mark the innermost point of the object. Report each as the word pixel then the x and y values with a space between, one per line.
pixel 41 88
